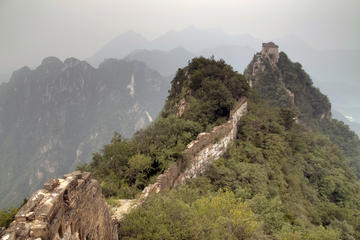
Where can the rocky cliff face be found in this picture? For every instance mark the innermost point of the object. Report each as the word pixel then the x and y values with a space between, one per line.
pixel 68 208
pixel 53 117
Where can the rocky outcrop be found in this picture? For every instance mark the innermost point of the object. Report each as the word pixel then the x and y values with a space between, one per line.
pixel 268 55
pixel 70 208
pixel 181 107
pixel 291 95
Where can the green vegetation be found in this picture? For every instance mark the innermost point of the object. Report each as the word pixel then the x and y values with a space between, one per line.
pixel 125 167
pixel 8 215
pixel 310 102
pixel 187 213
pixel 269 85
pixel 277 181
pixel 210 89
pixel 310 105
pixel 113 202
pixel 347 140
pixel 274 84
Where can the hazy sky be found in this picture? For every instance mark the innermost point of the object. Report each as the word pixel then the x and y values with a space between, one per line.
pixel 33 29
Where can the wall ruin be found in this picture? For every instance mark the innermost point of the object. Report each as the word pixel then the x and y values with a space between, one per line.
pixel 70 208
pixel 200 153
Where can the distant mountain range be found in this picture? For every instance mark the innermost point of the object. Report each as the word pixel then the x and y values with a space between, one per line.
pixel 54 117
pixel 165 62
pixel 336 72
pixel 192 39
pixel 168 62
pixel 355 126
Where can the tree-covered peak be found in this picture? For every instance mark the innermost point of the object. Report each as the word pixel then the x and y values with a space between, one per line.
pixel 287 85
pixel 205 90
pixel 202 95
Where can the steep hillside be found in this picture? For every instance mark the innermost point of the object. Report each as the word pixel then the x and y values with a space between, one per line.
pixel 291 173
pixel 285 84
pixel 287 176
pixel 277 181
pixel 331 70
pixel 202 96
pixel 53 117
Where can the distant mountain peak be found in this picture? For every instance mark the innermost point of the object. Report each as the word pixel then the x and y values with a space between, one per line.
pixel 192 39
pixel 51 60
pixel 69 62
pixel 54 116
pixel 24 69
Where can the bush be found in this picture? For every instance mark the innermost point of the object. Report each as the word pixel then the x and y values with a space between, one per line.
pixel 187 214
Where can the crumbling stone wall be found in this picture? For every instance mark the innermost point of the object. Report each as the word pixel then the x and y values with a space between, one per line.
pixel 70 208
pixel 200 153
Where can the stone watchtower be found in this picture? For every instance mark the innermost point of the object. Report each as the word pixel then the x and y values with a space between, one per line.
pixel 270 50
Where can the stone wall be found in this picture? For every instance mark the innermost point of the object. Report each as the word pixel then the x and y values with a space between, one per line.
pixel 73 208
pixel 200 153
pixel 70 208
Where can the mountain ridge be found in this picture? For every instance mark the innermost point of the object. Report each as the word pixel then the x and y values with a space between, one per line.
pixel 54 116
pixel 331 70
pixel 291 173
pixel 286 176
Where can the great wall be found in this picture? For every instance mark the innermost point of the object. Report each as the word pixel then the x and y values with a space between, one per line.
pixel 73 208
pixel 200 153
